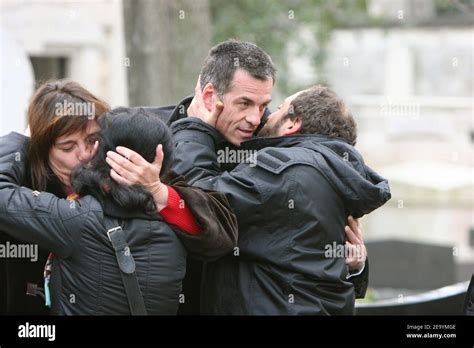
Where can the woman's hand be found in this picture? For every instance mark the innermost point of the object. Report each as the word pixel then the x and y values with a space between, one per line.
pixel 129 168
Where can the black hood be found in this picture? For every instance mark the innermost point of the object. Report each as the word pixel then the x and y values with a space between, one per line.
pixel 362 189
pixel 178 111
pixel 169 113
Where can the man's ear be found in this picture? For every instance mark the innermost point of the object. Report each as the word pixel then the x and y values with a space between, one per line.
pixel 207 96
pixel 292 127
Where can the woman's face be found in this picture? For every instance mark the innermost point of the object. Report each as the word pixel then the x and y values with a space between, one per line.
pixel 71 150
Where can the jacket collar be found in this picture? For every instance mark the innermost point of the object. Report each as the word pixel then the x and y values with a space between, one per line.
pixel 285 141
pixel 177 112
pixel 111 208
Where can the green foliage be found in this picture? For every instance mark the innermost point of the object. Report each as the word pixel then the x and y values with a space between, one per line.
pixel 274 24
pixel 449 7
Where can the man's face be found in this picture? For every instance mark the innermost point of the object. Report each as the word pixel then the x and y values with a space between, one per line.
pixel 244 105
pixel 275 125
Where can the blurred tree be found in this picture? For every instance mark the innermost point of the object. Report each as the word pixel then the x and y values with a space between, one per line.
pixel 166 43
pixel 167 40
pixel 286 28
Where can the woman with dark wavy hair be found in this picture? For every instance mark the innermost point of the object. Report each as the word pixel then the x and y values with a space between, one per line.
pixel 118 250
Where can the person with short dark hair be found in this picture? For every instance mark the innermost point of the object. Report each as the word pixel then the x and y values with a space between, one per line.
pixel 230 56
pixel 241 75
pixel 292 199
pixel 321 111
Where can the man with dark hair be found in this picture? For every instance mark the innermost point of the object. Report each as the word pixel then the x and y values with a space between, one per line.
pixel 292 203
pixel 241 75
pixel 228 57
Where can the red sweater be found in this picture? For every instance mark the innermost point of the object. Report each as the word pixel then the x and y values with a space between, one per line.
pixel 177 213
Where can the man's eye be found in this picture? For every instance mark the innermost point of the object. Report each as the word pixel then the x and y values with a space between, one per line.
pixel 67 149
pixel 244 104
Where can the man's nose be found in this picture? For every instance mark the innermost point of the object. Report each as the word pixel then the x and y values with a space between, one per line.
pixel 254 117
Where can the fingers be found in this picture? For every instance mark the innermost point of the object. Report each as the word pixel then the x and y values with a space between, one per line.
pixel 355 226
pixel 193 109
pixel 219 107
pixel 351 236
pixel 356 222
pixel 119 161
pixel 159 156
pixel 215 111
pixel 197 89
pixel 130 155
pixel 351 260
pixel 356 256
pixel 95 148
pixel 121 166
pixel 119 179
pixel 355 245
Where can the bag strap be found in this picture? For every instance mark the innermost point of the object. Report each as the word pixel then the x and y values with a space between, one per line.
pixel 126 264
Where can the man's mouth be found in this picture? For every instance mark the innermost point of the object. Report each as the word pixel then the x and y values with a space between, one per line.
pixel 245 133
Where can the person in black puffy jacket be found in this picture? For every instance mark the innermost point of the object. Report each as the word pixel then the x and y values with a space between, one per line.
pixel 76 230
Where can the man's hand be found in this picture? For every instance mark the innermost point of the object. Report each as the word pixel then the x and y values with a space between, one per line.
pixel 198 109
pixel 129 168
pixel 355 245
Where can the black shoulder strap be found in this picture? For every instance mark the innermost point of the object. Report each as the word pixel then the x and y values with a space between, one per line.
pixel 126 264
